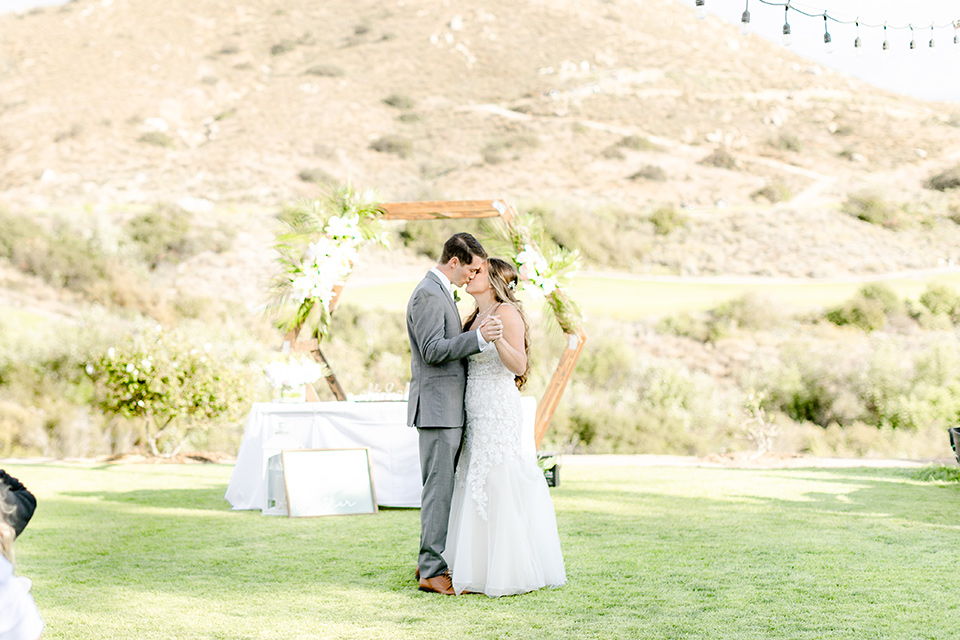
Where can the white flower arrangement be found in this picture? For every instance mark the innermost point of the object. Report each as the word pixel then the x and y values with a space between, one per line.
pixel 534 268
pixel 547 275
pixel 317 251
pixel 294 372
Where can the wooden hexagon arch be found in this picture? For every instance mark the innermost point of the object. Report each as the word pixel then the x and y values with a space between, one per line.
pixel 448 210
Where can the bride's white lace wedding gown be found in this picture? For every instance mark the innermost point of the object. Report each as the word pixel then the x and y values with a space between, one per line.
pixel 502 536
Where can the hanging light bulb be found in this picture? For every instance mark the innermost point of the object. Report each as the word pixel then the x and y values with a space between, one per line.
pixel 745 21
pixel 701 9
pixel 913 42
pixel 827 40
pixel 787 37
pixel 856 43
pixel 886 44
pixel 956 35
pixel 931 38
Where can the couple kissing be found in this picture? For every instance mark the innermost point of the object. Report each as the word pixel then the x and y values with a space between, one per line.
pixel 487 522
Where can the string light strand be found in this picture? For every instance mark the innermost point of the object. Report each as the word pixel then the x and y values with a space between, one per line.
pixel 745 27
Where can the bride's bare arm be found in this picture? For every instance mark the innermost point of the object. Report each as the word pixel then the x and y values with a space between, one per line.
pixel 510 346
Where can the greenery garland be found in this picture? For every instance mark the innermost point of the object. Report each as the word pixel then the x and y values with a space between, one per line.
pixel 316 251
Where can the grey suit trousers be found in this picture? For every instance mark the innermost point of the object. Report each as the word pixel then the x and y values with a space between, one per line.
pixel 439 450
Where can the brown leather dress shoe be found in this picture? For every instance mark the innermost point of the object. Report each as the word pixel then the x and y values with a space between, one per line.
pixel 438 584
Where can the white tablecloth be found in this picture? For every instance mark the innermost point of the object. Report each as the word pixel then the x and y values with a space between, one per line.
pixel 379 426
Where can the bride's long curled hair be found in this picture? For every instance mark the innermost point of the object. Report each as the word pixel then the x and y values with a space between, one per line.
pixel 504 279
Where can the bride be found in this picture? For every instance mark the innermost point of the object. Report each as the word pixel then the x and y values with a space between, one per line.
pixel 502 536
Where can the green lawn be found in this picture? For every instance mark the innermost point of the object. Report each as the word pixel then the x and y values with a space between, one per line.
pixel 153 551
pixel 633 299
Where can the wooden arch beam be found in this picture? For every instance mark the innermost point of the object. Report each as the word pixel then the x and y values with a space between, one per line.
pixel 453 210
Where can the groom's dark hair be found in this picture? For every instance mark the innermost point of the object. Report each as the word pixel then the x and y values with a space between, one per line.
pixel 462 246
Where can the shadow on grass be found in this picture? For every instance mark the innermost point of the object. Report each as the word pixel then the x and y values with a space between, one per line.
pixel 897 493
pixel 206 499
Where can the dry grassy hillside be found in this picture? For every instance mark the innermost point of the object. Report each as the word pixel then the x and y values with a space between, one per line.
pixel 515 99
pixel 233 109
pixel 601 114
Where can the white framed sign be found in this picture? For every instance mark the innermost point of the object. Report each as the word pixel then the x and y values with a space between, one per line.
pixel 327 482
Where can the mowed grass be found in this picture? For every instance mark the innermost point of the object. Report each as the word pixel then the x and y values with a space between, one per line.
pixel 635 298
pixel 153 551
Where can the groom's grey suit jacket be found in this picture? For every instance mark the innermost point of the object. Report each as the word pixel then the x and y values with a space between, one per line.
pixel 438 346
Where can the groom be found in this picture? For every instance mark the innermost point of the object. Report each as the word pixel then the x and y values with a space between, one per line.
pixel 438 346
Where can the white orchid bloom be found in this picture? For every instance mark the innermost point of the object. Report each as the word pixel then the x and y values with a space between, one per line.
pixel 301 287
pixel 318 250
pixel 527 272
pixel 548 285
pixel 344 227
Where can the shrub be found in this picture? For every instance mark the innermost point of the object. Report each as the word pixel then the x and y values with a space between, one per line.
pixel 942 299
pixel 509 148
pixel 667 219
pixel 397 145
pixel 808 387
pixel 773 192
pixel 721 159
pixel 883 293
pixel 945 180
pixel 613 153
pixel 861 312
pixel 64 258
pixel 650 172
pixel 399 101
pixel 637 143
pixel 664 408
pixel 15 231
pixel 163 235
pixel 688 325
pixel 953 213
pixel 325 71
pixel 875 210
pixel 605 363
pixel 157 139
pixel 788 143
pixel 282 47
pixel 317 175
pixel 750 311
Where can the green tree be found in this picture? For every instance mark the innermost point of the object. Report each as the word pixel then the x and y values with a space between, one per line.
pixel 169 387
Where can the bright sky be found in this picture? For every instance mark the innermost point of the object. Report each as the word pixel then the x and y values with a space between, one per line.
pixel 20 5
pixel 931 74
